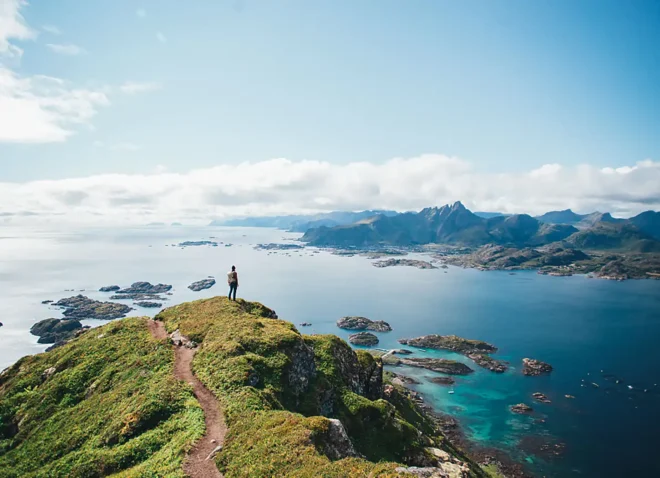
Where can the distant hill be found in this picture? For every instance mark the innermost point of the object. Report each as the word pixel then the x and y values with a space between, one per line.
pixel 649 222
pixel 301 223
pixel 620 236
pixel 561 217
pixel 488 215
pixel 450 224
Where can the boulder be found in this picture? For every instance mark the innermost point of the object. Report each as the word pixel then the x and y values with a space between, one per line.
pixel 181 340
pixel 540 397
pixel 363 338
pixel 335 442
pixel 362 323
pixel 149 305
pixel 533 367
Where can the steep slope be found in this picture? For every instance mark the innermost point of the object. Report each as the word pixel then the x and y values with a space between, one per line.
pixel 648 222
pixel 561 217
pixel 105 404
pixel 613 236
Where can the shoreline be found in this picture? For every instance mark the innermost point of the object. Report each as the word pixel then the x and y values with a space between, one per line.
pixel 452 429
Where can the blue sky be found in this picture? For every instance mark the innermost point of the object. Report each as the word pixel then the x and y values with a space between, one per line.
pixel 507 86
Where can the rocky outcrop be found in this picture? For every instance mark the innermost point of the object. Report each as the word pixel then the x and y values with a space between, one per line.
pixel 335 442
pixel 362 323
pixel 180 340
pixel 46 301
pixel 445 470
pixel 521 408
pixel 533 367
pixel 149 305
pixel 363 338
pixel 302 369
pixel 110 288
pixel 450 367
pixel 476 350
pixel 51 331
pixel 201 285
pixel 81 307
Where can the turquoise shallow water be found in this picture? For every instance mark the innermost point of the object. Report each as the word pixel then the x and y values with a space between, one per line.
pixel 581 326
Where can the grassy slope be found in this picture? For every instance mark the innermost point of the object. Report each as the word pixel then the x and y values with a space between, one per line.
pixel 272 431
pixel 112 408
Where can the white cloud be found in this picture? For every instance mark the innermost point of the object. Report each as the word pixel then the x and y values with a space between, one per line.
pixel 141 12
pixel 68 49
pixel 133 87
pixel 52 29
pixel 41 109
pixel 280 186
pixel 161 38
pixel 13 26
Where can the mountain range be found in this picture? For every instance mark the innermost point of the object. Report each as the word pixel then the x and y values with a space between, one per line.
pixel 455 224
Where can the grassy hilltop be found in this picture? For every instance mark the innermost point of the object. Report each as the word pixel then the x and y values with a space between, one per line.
pixel 107 404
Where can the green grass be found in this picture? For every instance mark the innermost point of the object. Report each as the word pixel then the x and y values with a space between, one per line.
pixel 112 407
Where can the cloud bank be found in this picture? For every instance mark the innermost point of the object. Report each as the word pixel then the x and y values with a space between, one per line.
pixel 281 186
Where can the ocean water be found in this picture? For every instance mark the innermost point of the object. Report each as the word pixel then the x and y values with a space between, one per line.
pixel 591 331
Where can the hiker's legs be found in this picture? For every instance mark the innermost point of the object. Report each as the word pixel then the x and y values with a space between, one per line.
pixel 232 289
pixel 235 288
pixel 231 286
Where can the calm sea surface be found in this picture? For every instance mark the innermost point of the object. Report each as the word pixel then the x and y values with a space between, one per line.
pixel 591 331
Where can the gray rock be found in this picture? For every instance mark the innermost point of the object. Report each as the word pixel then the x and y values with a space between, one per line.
pixel 149 305
pixel 335 443
pixel 81 307
pixel 181 340
pixel 51 331
pixel 521 408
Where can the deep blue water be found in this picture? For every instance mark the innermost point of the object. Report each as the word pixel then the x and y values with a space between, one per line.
pixel 581 326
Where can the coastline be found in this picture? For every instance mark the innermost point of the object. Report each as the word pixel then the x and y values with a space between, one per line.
pixel 451 428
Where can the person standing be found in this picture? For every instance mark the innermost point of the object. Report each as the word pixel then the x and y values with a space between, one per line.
pixel 232 280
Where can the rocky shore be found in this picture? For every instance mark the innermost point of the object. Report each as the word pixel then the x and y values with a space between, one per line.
pixel 475 350
pixel 559 261
pixel 139 291
pixel 362 323
pixel 149 305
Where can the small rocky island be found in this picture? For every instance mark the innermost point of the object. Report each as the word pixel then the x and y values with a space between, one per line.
pixel 534 368
pixel 449 367
pixel 521 408
pixel 198 243
pixel 363 338
pixel 475 350
pixel 539 397
pixel 404 262
pixel 201 285
pixel 56 331
pixel 139 291
pixel 443 380
pixel 278 247
pixel 149 305
pixel 362 323
pixel 81 307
